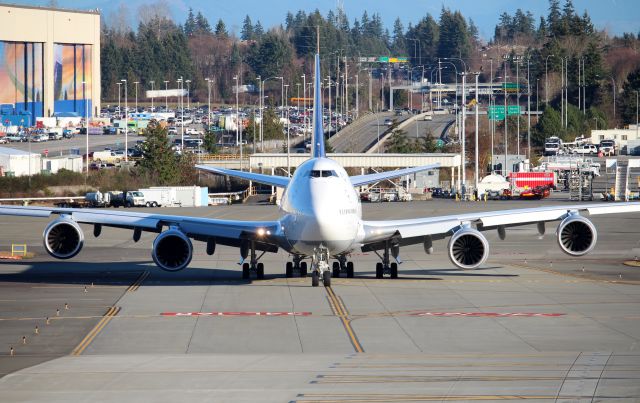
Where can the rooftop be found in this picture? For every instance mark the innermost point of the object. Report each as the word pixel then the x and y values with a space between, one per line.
pixel 66 10
pixel 14 151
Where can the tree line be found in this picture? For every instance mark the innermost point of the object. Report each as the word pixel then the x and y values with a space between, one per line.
pixel 162 49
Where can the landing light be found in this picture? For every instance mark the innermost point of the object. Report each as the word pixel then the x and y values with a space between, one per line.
pixel 261 231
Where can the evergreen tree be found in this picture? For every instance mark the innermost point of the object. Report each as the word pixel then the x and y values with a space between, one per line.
pixel 190 24
pixel 398 45
pixel 258 31
pixel 202 25
pixel 221 30
pixel 158 162
pixel 246 33
pixel 629 97
pixel 549 125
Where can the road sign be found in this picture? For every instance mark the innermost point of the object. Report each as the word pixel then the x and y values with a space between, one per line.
pixel 513 110
pixel 509 86
pixel 496 112
pixel 387 59
pixel 439 143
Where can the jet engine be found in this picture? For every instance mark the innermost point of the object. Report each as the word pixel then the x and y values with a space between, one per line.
pixel 63 238
pixel 172 250
pixel 576 235
pixel 468 248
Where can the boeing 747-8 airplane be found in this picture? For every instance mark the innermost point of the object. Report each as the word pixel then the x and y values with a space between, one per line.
pixel 321 220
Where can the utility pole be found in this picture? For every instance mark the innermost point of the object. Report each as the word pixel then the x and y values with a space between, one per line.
pixel 136 84
pixel 126 123
pixel 286 89
pixel 492 122
pixel 166 96
pixel 152 94
pixel 517 58
pixel 505 171
pixel 477 74
pixel 370 89
pixel 462 134
pixel 528 114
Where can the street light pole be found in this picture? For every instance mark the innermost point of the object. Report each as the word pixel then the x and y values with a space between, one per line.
pixel 546 79
pixel 126 123
pixel 188 95
pixel 152 94
pixel 166 96
pixel 119 84
pixel 477 74
pixel 505 171
pixel 208 80
pixel 136 84
pixel 86 126
pixel 180 81
pixel 238 138
pixel 286 87
pixel 463 134
pixel 528 114
pixel 304 106
pixel 614 101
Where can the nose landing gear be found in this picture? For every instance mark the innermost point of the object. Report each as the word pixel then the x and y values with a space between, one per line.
pixel 320 267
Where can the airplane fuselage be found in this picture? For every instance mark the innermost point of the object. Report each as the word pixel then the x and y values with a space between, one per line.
pixel 320 208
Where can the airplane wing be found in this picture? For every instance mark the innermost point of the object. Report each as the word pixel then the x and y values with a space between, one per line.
pixel 413 230
pixel 224 232
pixel 279 181
pixel 359 180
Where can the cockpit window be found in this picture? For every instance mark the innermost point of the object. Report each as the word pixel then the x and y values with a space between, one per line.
pixel 322 174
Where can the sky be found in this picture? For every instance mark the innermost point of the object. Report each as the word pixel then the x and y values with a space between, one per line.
pixel 616 16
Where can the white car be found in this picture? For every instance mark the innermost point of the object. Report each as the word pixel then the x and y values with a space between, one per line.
pixel 586 149
pixel 3 140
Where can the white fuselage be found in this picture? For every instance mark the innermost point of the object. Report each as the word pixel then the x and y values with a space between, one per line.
pixel 321 208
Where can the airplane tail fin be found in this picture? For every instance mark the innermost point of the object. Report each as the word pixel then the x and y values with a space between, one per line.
pixel 318 132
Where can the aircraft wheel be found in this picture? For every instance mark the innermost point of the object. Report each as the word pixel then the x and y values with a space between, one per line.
pixel 350 269
pixel 394 270
pixel 289 269
pixel 336 269
pixel 379 270
pixel 326 278
pixel 245 271
pixel 315 279
pixel 303 269
pixel 260 270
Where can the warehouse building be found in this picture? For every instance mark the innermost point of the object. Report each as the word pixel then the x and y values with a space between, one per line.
pixel 49 63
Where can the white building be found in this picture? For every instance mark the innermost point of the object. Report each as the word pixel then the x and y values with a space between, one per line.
pixel 622 137
pixel 18 163
pixel 72 163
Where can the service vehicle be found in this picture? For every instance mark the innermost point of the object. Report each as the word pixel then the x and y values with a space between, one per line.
pixel 608 147
pixel 586 149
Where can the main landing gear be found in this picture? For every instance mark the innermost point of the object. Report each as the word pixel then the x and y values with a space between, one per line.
pixel 296 266
pixel 253 265
pixel 385 267
pixel 342 266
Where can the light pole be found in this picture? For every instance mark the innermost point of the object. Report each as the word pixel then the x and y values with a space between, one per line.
pixel 152 94
pixel 505 171
pixel 188 95
pixel 286 88
pixel 304 106
pixel 462 134
pixel 86 126
pixel 208 80
pixel 636 91
pixel 166 96
pixel 477 74
pixel 119 108
pixel 180 81
pixel 378 124
pixel 546 79
pixel 126 123
pixel 136 84
pixel 238 135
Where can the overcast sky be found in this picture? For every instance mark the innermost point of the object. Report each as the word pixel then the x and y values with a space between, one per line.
pixel 616 16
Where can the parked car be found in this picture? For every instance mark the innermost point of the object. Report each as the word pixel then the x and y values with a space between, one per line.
pixel 586 149
pixel 388 122
pixel 3 140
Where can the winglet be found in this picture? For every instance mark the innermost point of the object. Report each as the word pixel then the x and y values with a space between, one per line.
pixel 318 132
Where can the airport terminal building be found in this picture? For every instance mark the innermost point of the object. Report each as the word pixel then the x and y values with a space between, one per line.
pixel 49 63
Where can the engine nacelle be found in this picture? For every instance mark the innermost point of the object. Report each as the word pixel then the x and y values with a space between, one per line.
pixel 576 235
pixel 63 238
pixel 468 248
pixel 172 250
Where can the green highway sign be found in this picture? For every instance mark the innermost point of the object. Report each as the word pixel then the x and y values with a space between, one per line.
pixel 513 110
pixel 510 86
pixel 496 112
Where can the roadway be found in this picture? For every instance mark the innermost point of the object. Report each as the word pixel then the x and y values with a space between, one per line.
pixel 364 135
pixel 532 324
pixel 420 128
